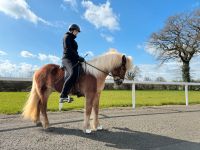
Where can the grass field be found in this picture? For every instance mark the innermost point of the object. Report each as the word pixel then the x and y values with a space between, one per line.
pixel 12 102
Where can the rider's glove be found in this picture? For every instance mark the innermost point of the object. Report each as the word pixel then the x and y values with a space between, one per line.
pixel 81 59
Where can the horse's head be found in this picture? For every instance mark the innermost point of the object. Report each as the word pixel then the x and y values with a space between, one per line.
pixel 119 72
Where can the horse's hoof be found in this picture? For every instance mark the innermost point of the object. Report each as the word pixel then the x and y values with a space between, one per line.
pixel 39 124
pixel 94 129
pixel 100 127
pixel 87 131
pixel 46 126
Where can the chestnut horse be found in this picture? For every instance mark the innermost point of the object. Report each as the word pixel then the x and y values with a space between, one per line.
pixel 91 82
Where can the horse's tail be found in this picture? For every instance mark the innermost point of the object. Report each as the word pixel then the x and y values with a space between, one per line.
pixel 31 107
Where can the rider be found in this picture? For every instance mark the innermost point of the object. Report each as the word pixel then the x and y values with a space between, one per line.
pixel 70 60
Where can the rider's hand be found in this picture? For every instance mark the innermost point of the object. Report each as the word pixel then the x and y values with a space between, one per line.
pixel 81 59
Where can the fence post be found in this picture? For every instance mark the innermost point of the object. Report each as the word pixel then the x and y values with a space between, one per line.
pixel 133 96
pixel 186 94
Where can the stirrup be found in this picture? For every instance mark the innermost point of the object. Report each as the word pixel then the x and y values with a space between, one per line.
pixel 66 99
pixel 62 100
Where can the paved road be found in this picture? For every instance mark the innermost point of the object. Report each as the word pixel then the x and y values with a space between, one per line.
pixel 165 128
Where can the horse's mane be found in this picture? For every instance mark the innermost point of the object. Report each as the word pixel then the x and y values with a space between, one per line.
pixel 107 62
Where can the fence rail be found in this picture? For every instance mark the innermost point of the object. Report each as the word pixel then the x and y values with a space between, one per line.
pixel 14 79
pixel 186 84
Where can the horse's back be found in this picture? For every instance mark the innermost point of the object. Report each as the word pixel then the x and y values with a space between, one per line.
pixel 49 75
pixel 48 69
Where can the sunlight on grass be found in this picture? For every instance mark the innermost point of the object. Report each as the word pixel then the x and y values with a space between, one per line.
pixel 13 102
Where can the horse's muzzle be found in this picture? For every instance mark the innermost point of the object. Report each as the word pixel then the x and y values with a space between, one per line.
pixel 118 81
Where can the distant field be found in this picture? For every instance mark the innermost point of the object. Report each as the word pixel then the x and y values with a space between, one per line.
pixel 12 102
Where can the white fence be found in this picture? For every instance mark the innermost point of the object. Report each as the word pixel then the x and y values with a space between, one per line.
pixel 186 84
pixel 14 79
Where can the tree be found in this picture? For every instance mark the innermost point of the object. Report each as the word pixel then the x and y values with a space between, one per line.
pixel 133 73
pixel 179 40
pixel 160 87
pixel 160 79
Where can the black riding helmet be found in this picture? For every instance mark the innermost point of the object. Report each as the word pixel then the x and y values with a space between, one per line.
pixel 74 27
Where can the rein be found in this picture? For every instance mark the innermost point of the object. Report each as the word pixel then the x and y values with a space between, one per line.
pixel 102 70
pixel 99 69
pixel 107 73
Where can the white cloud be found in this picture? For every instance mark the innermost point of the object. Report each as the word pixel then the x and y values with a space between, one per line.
pixel 27 70
pixel 42 57
pixel 100 15
pixel 20 9
pixel 54 59
pixel 2 53
pixel 169 71
pixel 194 67
pixel 150 49
pixel 108 38
pixel 8 69
pixel 73 4
pixel 49 58
pixel 26 54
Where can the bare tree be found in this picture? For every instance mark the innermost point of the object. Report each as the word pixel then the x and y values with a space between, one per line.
pixel 133 73
pixel 179 40
pixel 160 79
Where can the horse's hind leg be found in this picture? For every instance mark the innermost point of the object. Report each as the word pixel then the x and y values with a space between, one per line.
pixel 43 109
pixel 95 124
pixel 38 122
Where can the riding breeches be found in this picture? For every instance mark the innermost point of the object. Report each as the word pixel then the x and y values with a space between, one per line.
pixel 72 69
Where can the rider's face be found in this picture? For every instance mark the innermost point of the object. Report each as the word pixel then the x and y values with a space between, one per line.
pixel 75 32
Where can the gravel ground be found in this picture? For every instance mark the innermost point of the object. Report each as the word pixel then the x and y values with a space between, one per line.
pixel 164 127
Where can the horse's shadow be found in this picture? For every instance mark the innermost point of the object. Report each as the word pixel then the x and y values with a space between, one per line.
pixel 124 138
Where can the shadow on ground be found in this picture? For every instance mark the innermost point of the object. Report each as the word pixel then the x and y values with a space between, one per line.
pixel 103 116
pixel 124 138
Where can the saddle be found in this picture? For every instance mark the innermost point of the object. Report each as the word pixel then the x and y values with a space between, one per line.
pixel 75 90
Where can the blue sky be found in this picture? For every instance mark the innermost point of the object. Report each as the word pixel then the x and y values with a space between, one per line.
pixel 31 32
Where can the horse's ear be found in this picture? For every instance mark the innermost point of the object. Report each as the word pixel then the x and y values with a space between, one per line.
pixel 123 60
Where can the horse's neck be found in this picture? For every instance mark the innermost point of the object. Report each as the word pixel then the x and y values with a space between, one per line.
pixel 100 66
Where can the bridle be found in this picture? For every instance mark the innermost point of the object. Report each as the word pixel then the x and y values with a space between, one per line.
pixel 117 79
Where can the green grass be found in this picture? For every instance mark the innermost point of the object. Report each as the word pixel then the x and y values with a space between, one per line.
pixel 13 102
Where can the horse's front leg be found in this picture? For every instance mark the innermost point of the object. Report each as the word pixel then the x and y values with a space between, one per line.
pixel 95 124
pixel 88 109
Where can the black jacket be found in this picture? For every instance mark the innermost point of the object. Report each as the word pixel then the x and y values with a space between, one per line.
pixel 70 47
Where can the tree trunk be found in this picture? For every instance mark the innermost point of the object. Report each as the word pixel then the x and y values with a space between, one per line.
pixel 186 71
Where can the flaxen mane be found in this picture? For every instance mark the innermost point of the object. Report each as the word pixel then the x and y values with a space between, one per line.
pixel 106 62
